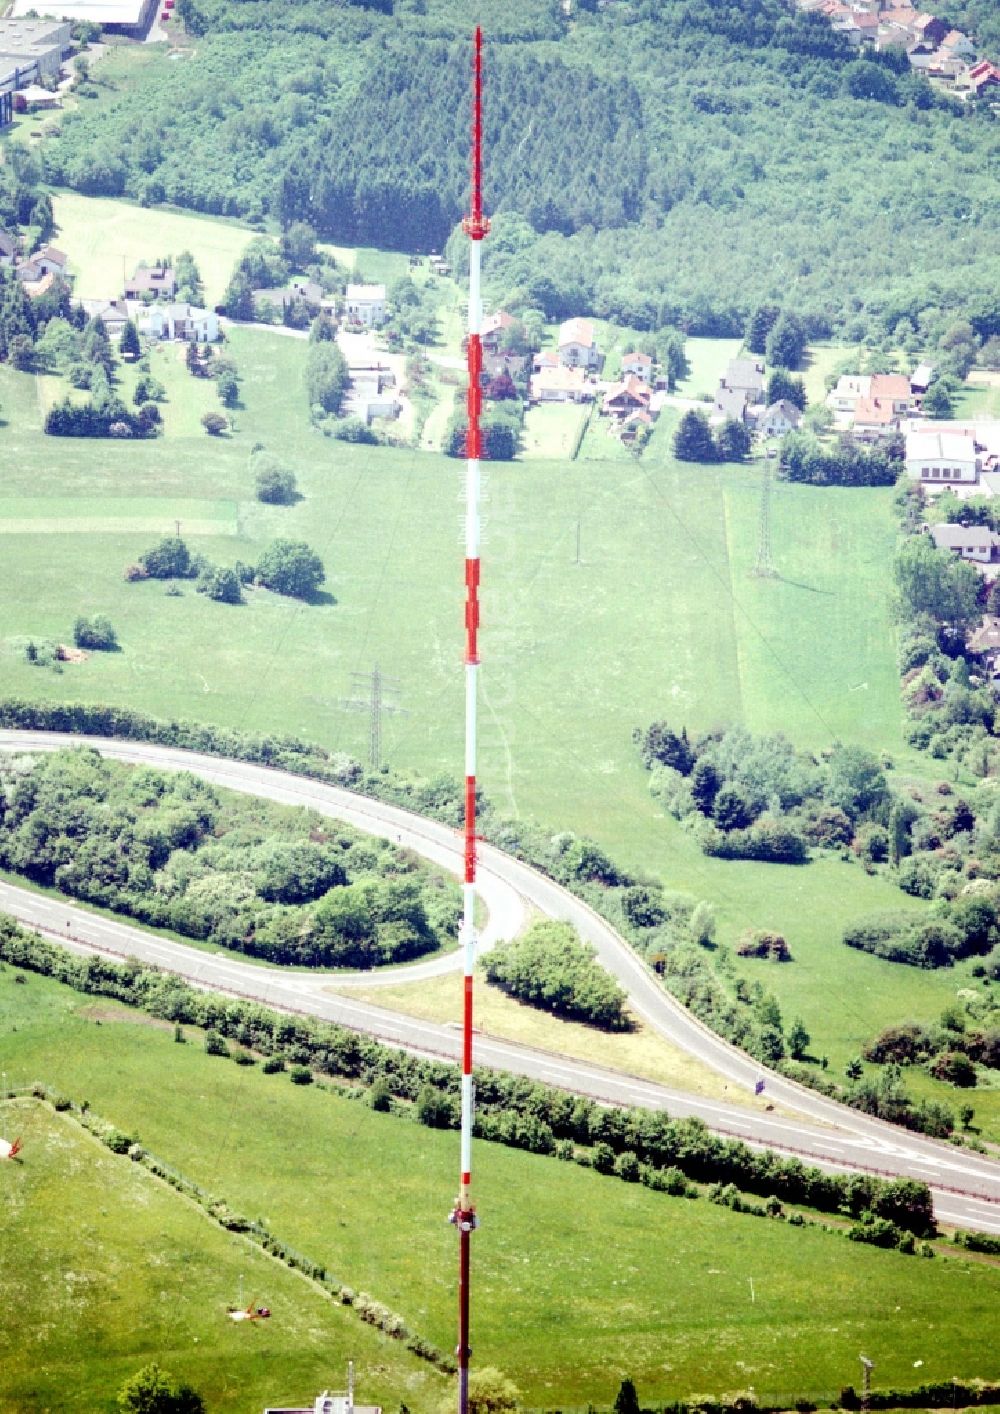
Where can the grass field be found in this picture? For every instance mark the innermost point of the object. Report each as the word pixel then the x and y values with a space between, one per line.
pixel 707 359
pixel 550 430
pixel 141 1274
pixel 580 1280
pixel 106 239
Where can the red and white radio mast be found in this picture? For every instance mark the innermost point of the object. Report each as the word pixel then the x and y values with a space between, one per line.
pixel 476 226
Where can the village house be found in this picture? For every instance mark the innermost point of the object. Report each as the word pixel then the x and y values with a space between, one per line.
pixel 934 456
pixel 621 399
pixel 545 358
pixel 778 419
pixel 639 365
pixel 970 542
pixel 879 412
pixel 561 385
pixel 179 321
pixel 577 346
pixel 729 403
pixel 47 261
pixel 850 387
pixel 111 314
pixel 985 643
pixel 929 31
pixel 492 329
pixel 957 45
pixel 8 250
pixel 634 423
pixel 745 375
pixel 151 282
pixel 983 76
pixel 921 379
pixel 365 304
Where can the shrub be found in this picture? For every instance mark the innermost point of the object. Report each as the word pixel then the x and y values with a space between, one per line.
pixel 215 1045
pixel 550 967
pixel 214 423
pixel 275 484
pixel 300 1075
pixel 272 1065
pixel 170 559
pixel 955 1068
pixel 97 632
pixel 290 567
pixel 221 584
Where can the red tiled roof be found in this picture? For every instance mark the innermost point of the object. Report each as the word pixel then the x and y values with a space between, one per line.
pixel 873 412
pixel 890 385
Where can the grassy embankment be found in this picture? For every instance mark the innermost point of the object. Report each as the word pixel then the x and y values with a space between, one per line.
pixel 579 1279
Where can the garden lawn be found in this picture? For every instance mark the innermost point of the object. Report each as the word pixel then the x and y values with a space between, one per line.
pixel 103 1268
pixel 551 429
pixel 579 1280
pixel 707 359
pixel 106 239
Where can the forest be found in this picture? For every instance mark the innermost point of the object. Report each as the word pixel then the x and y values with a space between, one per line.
pixel 747 156
pixel 171 851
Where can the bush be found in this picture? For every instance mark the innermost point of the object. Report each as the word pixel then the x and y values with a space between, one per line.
pixel 290 567
pixel 550 967
pixel 221 584
pixel 275 484
pixel 214 423
pixel 215 1045
pixel 272 1065
pixel 170 559
pixel 97 632
pixel 955 1068
pixel 300 1075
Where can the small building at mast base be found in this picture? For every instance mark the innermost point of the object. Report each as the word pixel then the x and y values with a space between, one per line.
pixel 327 1403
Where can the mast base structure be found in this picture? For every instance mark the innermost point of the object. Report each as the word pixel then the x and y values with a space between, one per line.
pixel 476 226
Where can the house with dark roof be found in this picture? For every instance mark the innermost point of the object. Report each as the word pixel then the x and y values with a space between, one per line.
pixel 151 282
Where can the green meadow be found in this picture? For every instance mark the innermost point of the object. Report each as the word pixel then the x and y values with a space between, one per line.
pixel 579 1279
pixel 141 1274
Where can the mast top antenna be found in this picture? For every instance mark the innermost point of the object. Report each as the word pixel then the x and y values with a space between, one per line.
pixel 476 225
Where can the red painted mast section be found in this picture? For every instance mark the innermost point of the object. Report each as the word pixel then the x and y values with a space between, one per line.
pixel 476 226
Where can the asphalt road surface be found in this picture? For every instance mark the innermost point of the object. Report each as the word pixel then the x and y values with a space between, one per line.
pixel 966 1185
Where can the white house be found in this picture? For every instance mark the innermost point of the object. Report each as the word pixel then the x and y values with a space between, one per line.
pixel 730 402
pixel 971 542
pixel 577 346
pixel 850 387
pixel 365 305
pixel 640 365
pixel 934 456
pixel 921 379
pixel 561 385
pixel 781 417
pixel 179 321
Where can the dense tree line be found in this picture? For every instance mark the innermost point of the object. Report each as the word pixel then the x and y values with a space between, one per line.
pixel 509 1109
pixel 686 195
pixel 804 458
pixel 171 851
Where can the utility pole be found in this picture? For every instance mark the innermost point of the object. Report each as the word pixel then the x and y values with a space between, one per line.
pixel 866 1383
pixel 764 566
pixel 370 689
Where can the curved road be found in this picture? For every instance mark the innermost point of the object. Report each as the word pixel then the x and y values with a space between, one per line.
pixel 967 1185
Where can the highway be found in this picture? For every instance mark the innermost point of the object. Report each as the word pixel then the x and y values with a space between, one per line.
pixel 966 1185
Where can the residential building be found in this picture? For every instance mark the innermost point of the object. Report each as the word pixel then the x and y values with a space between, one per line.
pixel 561 385
pixel 365 305
pixel 730 402
pixel 935 456
pixel 957 45
pixel 47 261
pixel 781 417
pixel 745 375
pixel 639 365
pixel 493 327
pixel 503 362
pixel 875 419
pixel 112 315
pixel 631 395
pixel 179 321
pixel 893 388
pixel 634 423
pixel 929 30
pixel 984 76
pixel 577 345
pixel 152 282
pixel 970 542
pixel 850 388
pixel 8 250
pixel 985 643
pixel 545 358
pixel 921 379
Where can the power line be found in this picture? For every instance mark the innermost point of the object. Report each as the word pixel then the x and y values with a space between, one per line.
pixel 369 696
pixel 764 564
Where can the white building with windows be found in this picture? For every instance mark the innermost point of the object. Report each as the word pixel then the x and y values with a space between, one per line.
pixel 365 304
pixel 936 457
